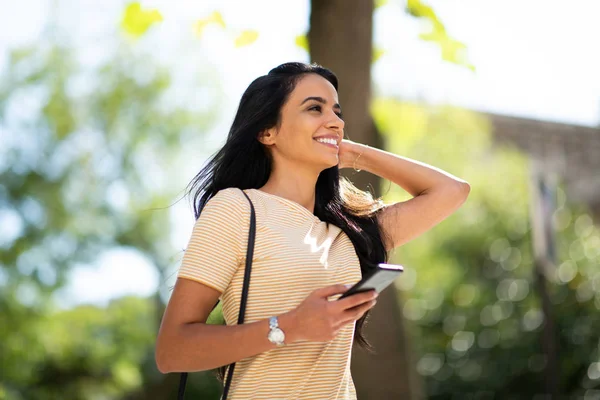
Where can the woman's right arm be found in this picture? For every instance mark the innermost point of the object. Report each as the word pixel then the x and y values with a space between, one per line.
pixel 186 343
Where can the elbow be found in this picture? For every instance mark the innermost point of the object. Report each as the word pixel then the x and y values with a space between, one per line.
pixel 456 193
pixel 170 356
pixel 174 349
pixel 463 192
pixel 162 361
pixel 464 188
pixel 162 368
pixel 164 357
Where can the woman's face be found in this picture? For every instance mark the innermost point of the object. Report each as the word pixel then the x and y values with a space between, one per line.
pixel 310 118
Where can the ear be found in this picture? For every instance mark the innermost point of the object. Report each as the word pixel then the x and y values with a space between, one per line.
pixel 267 137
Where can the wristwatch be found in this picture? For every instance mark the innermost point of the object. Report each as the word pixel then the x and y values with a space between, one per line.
pixel 276 335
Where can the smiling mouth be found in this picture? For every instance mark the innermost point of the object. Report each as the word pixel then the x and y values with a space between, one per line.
pixel 328 142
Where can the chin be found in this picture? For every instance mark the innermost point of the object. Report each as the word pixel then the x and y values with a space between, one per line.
pixel 323 163
pixel 330 164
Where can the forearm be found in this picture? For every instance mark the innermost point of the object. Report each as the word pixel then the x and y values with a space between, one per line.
pixel 413 176
pixel 200 347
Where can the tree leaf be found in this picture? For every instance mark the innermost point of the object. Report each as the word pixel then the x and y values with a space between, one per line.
pixel 451 49
pixel 214 18
pixel 302 42
pixel 137 21
pixel 377 53
pixel 246 38
pixel 418 9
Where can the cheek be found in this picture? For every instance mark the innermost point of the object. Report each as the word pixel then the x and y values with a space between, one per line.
pixel 308 126
pixel 301 131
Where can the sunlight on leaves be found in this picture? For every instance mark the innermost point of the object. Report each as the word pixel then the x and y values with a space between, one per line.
pixel 402 122
pixel 137 21
pixel 377 53
pixel 416 8
pixel 214 18
pixel 451 50
pixel 302 42
pixel 246 38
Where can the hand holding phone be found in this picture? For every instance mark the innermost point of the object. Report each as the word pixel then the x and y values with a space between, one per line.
pixel 377 279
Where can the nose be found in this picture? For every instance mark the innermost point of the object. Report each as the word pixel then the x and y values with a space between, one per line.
pixel 335 122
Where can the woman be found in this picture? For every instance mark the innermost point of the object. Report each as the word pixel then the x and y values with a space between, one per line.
pixel 316 234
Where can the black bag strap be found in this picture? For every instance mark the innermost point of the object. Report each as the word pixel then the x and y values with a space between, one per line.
pixel 242 313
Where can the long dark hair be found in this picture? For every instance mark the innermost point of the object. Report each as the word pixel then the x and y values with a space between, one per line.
pixel 243 162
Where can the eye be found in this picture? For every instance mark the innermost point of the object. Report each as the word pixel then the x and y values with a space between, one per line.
pixel 319 109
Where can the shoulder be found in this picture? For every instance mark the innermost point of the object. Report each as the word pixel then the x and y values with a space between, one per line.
pixel 229 202
pixel 232 196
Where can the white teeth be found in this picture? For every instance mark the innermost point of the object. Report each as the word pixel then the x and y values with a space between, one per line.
pixel 324 140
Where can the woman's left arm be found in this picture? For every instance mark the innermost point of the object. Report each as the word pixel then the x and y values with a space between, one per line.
pixel 436 193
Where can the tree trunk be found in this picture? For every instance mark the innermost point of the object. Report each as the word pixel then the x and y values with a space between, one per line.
pixel 340 38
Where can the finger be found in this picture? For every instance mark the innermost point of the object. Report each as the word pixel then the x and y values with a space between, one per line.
pixel 357 312
pixel 356 299
pixel 332 290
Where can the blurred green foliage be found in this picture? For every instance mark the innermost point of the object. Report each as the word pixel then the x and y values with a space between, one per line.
pixel 81 353
pixel 469 289
pixel 87 164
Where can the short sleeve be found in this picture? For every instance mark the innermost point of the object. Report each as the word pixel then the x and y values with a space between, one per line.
pixel 218 240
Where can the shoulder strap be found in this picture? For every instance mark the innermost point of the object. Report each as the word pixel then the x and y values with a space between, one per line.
pixel 242 313
pixel 249 257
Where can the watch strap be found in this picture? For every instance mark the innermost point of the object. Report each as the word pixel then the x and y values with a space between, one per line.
pixel 273 323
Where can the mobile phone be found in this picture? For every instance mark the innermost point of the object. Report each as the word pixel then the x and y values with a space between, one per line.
pixel 377 279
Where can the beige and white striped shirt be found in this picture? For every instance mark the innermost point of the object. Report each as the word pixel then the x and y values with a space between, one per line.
pixel 295 253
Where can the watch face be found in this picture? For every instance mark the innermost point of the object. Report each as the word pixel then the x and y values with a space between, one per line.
pixel 276 336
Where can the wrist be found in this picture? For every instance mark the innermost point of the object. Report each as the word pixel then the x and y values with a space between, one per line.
pixel 287 323
pixel 356 157
pixel 349 151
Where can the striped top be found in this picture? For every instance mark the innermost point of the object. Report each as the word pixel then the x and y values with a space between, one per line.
pixel 295 253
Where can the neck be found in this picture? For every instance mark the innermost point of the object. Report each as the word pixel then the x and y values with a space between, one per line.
pixel 294 184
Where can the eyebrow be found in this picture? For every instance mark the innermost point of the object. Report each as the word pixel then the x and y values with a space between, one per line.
pixel 320 100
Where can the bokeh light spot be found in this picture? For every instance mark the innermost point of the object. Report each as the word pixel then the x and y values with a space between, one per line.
pixel 500 250
pixel 463 340
pixel 429 364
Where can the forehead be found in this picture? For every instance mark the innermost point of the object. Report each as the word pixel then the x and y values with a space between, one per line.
pixel 313 85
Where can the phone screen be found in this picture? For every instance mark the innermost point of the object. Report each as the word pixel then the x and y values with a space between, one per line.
pixel 377 280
